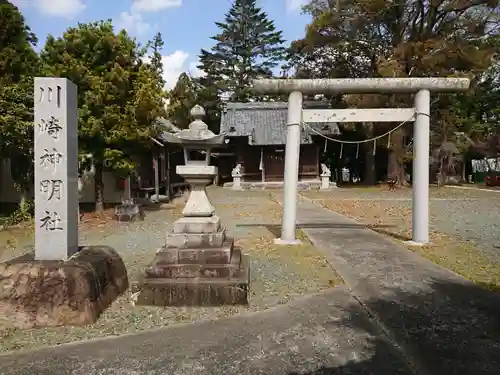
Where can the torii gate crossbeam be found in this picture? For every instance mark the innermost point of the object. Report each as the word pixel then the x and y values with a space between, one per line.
pixel 421 134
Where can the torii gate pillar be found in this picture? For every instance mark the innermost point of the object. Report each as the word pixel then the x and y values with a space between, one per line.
pixel 421 132
pixel 420 180
pixel 292 152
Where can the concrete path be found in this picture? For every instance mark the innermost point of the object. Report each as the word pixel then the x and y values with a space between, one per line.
pixel 397 314
pixel 305 337
pixel 444 323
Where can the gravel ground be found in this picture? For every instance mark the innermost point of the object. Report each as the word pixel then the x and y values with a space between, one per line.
pixel 279 274
pixel 467 214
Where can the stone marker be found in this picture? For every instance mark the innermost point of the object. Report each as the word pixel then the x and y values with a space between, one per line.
pixel 198 264
pixel 60 283
pixel 56 169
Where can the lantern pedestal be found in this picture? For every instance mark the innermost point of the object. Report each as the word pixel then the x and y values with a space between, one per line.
pixel 198 177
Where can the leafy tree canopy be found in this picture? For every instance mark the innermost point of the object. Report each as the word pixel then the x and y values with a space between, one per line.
pixel 409 38
pixel 119 94
pixel 18 64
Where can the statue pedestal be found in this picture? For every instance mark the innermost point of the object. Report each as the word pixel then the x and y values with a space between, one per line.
pixel 129 211
pixel 325 181
pixel 237 182
pixel 198 266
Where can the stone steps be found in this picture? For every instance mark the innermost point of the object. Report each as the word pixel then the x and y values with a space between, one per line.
pixel 167 269
pixel 215 255
pixel 196 240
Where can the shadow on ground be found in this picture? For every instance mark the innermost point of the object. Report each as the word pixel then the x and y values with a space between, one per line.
pixel 455 329
pixel 452 329
pixel 152 206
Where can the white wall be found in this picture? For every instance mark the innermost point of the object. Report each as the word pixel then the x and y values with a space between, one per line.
pixel 9 194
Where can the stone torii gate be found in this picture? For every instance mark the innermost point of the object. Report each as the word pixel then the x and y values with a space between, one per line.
pixel 420 114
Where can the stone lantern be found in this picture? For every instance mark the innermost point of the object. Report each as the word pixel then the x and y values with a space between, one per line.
pixel 198 264
pixel 195 140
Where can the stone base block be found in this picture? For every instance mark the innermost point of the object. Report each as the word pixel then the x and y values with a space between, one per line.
pixel 196 240
pixel 36 293
pixel 200 291
pixel 129 212
pixel 197 225
pixel 162 267
pixel 279 241
pixel 179 271
pixel 417 244
pixel 216 255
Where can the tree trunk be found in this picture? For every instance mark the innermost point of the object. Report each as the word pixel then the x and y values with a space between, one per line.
pixel 157 177
pixel 441 177
pixel 395 165
pixel 99 188
pixel 23 200
pixel 370 176
pixel 402 174
pixel 392 166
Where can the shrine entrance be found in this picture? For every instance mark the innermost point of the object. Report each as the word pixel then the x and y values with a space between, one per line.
pixel 274 162
pixel 419 114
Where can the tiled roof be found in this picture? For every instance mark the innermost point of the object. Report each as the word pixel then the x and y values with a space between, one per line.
pixel 265 123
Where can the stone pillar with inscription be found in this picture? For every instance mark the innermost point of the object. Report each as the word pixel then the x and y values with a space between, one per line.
pixel 56 169
pixel 59 283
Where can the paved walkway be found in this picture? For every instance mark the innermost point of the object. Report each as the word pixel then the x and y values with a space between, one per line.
pixel 397 314
pixel 444 323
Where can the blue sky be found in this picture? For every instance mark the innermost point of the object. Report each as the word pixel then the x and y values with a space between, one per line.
pixel 186 25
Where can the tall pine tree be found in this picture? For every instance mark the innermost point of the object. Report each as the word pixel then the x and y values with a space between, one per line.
pixel 248 47
pixel 182 98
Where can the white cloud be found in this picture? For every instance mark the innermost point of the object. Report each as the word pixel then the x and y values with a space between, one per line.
pixel 133 20
pixel 294 5
pixel 134 23
pixel 175 64
pixel 194 71
pixel 154 5
pixel 55 8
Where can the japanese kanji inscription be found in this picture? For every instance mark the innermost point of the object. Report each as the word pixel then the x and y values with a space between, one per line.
pixel 56 169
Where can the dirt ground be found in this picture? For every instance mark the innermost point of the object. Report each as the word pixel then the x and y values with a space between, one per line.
pixel 278 273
